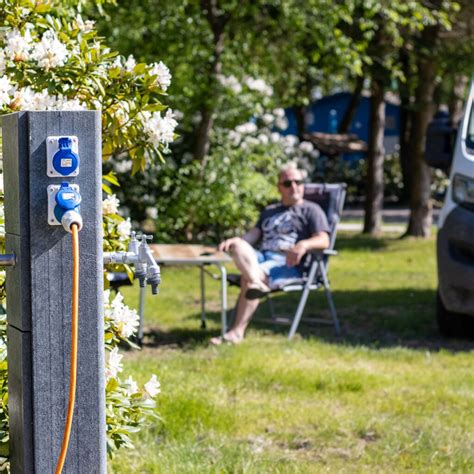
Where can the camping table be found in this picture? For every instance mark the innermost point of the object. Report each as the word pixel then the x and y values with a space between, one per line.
pixel 196 255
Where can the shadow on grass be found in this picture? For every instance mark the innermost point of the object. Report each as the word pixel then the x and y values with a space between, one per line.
pixel 362 242
pixel 378 319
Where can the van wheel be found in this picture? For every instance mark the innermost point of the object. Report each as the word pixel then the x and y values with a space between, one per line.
pixel 453 324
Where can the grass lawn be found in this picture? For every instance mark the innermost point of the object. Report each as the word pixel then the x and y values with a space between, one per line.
pixel 390 395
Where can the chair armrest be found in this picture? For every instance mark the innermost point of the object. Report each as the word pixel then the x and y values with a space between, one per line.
pixel 322 252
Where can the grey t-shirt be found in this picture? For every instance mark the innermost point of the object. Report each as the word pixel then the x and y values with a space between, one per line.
pixel 282 227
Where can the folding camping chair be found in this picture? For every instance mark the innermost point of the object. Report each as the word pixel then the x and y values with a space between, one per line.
pixel 331 199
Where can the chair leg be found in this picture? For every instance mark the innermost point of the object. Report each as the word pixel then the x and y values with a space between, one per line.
pixel 203 299
pixel 298 314
pixel 332 308
pixel 271 306
pixel 303 299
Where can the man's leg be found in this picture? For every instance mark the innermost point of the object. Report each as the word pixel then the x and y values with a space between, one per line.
pixel 245 310
pixel 246 261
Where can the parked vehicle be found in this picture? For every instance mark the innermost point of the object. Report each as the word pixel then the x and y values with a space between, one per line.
pixel 455 241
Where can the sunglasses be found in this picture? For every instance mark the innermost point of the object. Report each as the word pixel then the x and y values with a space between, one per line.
pixel 288 182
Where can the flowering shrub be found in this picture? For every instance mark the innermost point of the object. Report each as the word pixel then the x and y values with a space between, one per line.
pixel 59 63
pixel 52 59
pixel 127 405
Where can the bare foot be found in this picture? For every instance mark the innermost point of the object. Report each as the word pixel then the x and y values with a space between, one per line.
pixel 227 338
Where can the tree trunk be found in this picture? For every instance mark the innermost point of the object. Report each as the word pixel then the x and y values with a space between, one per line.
pixel 352 107
pixel 300 115
pixel 421 217
pixel 375 160
pixel 217 22
pixel 456 101
pixel 405 126
pixel 201 148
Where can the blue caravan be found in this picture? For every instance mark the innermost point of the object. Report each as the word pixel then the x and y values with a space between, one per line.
pixel 325 114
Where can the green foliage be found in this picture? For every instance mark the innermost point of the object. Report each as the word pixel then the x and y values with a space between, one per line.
pixel 52 62
pixel 128 407
pixel 184 201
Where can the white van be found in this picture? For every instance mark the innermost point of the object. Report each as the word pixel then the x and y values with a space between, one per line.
pixel 455 242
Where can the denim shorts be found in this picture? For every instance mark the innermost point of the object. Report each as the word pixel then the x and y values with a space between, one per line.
pixel 274 266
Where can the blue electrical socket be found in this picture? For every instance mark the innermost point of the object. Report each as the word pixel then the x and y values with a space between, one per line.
pixel 62 198
pixel 62 153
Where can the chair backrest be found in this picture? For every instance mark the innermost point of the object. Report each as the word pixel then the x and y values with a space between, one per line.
pixel 330 196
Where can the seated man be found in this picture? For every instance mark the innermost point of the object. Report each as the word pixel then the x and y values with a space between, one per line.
pixel 286 231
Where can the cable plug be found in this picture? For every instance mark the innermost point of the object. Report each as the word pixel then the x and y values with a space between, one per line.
pixel 69 218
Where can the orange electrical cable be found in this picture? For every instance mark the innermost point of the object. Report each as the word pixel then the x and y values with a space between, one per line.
pixel 74 333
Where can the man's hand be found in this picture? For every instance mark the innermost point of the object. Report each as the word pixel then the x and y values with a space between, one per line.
pixel 226 245
pixel 251 237
pixel 319 240
pixel 295 254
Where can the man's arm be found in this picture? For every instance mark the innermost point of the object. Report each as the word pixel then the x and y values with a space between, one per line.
pixel 317 241
pixel 252 237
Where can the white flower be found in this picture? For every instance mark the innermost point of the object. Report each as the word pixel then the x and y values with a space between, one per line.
pixel 159 129
pixel 235 137
pixel 84 26
pixel 162 73
pixel 28 99
pixel 96 105
pixel 62 103
pixel 259 85
pixel 275 137
pixel 124 319
pixel 246 128
pixel 131 386
pixel 152 387
pixel 251 141
pixel 117 63
pixel 123 166
pixel 130 63
pixel 2 61
pixel 23 98
pixel 113 366
pixel 7 91
pixel 178 115
pixel 290 140
pixel 50 52
pixel 281 123
pixel 124 229
pixel 263 139
pixel 152 212
pixel 106 297
pixel 231 82
pixel 268 119
pixel 280 113
pixel 110 205
pixel 306 147
pixel 41 101
pixel 18 46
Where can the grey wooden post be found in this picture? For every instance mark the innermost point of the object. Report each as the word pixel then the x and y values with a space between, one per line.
pixel 39 298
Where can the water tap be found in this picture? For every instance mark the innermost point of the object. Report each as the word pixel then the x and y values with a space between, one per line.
pixel 140 256
pixel 153 276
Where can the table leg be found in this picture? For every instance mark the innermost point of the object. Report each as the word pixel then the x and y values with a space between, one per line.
pixel 203 299
pixel 223 297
